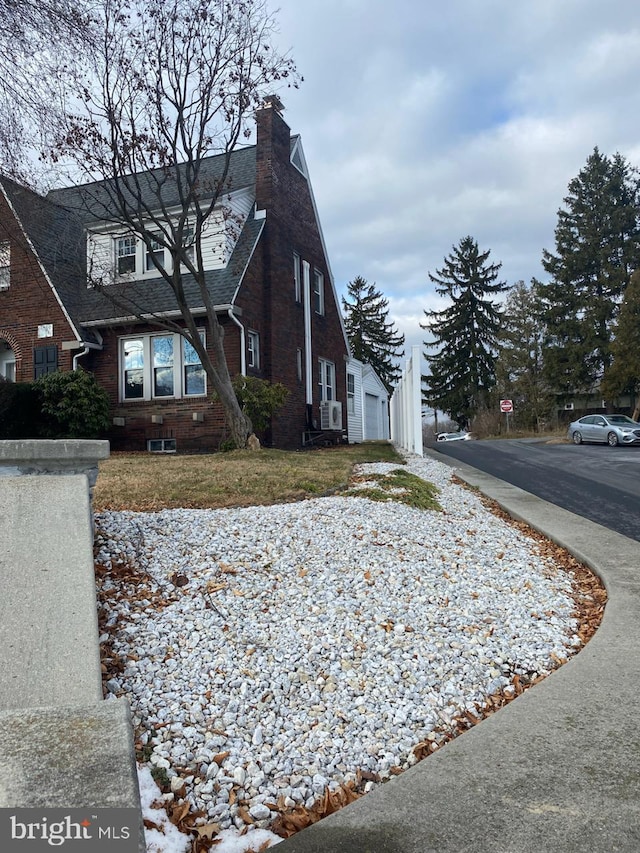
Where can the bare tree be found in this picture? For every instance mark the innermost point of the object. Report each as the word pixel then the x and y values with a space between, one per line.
pixel 174 82
pixel 38 39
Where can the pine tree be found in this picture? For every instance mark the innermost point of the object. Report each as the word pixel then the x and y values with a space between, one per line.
pixel 597 248
pixel 519 367
pixel 465 333
pixel 373 339
pixel 623 377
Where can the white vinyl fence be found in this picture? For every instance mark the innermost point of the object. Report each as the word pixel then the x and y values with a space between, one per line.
pixel 406 406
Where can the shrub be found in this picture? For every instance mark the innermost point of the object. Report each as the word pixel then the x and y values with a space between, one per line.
pixel 20 414
pixel 259 399
pixel 73 405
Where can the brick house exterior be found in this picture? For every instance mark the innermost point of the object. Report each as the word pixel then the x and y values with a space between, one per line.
pixel 271 284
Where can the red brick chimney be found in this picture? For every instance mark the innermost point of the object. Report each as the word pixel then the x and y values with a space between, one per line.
pixel 272 151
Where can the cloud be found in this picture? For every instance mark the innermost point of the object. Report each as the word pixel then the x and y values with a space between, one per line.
pixel 425 122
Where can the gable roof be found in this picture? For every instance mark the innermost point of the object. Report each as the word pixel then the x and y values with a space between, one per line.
pixel 57 241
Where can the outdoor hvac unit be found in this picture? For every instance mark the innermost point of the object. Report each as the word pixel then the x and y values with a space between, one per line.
pixel 568 407
pixel 330 414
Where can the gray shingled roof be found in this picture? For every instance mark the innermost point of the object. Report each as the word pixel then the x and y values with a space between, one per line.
pixel 55 226
pixel 157 188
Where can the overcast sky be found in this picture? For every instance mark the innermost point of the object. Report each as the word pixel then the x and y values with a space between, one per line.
pixel 424 122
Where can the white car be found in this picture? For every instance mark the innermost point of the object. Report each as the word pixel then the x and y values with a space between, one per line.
pixel 454 436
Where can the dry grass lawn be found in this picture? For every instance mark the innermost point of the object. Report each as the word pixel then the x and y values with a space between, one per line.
pixel 149 482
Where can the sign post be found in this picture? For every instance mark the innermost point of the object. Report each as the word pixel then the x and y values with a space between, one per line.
pixel 506 406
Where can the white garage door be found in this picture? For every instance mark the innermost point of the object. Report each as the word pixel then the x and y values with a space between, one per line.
pixel 371 417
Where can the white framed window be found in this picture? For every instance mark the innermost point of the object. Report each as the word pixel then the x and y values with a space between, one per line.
pixel 351 393
pixel 125 254
pixel 194 377
pixel 253 348
pixel 5 266
pixel 155 367
pixel 297 280
pixel 161 445
pixel 318 292
pixel 299 364
pixel 326 379
pixel 187 241
pixel 154 255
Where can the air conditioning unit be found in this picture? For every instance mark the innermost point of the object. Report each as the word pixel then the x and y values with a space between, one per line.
pixel 568 407
pixel 330 414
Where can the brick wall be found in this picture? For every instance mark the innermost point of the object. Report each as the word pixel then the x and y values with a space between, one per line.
pixel 29 302
pixel 267 296
pixel 177 414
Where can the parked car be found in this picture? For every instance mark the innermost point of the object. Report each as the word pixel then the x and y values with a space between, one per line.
pixel 454 436
pixel 607 429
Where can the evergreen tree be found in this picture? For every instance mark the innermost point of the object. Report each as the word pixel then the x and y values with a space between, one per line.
pixel 373 339
pixel 597 248
pixel 465 333
pixel 623 377
pixel 519 368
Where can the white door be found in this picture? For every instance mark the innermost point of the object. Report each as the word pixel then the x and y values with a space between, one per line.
pixel 371 417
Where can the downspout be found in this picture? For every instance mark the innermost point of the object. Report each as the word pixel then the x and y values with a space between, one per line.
pixel 85 351
pixel 308 360
pixel 243 353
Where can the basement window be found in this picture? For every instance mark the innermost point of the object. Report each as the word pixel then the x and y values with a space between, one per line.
pixel 161 445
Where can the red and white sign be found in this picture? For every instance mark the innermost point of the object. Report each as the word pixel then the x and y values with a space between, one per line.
pixel 506 405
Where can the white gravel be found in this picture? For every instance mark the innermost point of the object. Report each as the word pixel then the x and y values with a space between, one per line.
pixel 316 639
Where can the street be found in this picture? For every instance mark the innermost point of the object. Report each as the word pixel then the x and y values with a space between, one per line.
pixel 598 482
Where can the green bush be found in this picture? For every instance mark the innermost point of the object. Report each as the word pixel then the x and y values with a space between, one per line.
pixel 20 410
pixel 73 405
pixel 259 399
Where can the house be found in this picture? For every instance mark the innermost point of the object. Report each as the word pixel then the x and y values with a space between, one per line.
pixel 267 273
pixel 367 403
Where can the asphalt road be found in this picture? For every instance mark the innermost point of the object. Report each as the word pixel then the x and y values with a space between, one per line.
pixel 595 481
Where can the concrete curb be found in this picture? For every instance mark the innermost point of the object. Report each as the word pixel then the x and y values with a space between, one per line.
pixel 555 771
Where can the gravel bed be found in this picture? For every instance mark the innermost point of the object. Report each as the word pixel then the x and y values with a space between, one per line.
pixel 271 653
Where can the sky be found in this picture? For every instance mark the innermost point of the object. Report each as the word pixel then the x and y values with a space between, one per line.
pixel 425 122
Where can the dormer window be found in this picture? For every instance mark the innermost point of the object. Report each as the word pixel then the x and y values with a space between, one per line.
pixel 154 255
pixel 126 254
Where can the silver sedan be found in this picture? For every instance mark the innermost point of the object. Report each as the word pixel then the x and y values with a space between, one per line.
pixel 606 429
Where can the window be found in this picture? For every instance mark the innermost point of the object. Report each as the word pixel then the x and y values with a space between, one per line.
pixel 318 292
pixel 194 378
pixel 154 367
pixel 126 254
pixel 299 364
pixel 351 393
pixel 155 251
pixel 163 379
pixel 5 266
pixel 327 373
pixel 133 369
pixel 253 343
pixel 187 242
pixel 296 277
pixel 45 360
pixel 161 445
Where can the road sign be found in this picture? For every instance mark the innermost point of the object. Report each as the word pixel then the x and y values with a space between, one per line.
pixel 506 405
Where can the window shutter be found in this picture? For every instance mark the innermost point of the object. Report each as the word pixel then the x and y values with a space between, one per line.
pixel 45 360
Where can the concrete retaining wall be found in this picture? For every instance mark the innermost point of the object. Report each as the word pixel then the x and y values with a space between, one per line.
pixel 62 745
